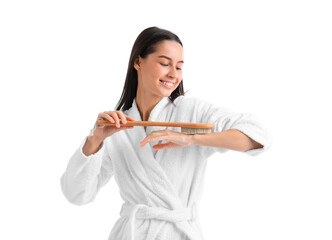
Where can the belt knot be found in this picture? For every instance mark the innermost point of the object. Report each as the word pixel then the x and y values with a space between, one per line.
pixel 142 211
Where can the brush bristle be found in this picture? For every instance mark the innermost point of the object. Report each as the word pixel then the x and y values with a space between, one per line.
pixel 196 130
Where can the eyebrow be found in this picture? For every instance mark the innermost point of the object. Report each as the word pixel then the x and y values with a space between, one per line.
pixel 163 56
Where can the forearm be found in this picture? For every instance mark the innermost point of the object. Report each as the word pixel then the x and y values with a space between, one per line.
pixel 230 139
pixel 92 145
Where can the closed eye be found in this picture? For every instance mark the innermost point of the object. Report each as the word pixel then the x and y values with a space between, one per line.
pixel 167 65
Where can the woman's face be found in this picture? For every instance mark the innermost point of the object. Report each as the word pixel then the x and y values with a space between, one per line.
pixel 160 72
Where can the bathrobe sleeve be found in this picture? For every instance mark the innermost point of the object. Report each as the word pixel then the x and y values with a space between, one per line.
pixel 85 175
pixel 225 119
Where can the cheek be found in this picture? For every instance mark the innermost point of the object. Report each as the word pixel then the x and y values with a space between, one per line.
pixel 151 78
pixel 158 72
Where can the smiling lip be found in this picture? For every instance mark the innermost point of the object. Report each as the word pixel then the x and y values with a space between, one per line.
pixel 167 81
pixel 166 85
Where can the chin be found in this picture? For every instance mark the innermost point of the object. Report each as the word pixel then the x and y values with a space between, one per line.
pixel 166 95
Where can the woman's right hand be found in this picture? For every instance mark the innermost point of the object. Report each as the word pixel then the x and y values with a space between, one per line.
pixel 102 132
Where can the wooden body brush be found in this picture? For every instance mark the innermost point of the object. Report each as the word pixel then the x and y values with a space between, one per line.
pixel 187 128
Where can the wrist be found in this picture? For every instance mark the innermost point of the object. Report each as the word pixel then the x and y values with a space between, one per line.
pixel 193 139
pixel 95 141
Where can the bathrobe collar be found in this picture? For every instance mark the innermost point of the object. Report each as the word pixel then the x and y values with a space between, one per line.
pixel 148 158
pixel 140 132
pixel 134 112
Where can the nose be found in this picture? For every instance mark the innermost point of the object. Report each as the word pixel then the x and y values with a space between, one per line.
pixel 173 73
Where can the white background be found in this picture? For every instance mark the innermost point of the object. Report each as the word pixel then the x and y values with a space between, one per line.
pixel 63 62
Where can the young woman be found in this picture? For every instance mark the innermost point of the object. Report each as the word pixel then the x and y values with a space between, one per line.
pixel 161 183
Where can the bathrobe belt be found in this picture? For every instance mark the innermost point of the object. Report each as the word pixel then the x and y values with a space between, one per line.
pixel 143 211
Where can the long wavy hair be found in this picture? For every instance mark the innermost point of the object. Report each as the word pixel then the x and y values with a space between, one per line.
pixel 144 45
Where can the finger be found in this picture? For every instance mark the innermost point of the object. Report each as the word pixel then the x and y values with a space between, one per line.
pixel 106 116
pixel 97 125
pixel 155 136
pixel 148 138
pixel 122 116
pixel 116 119
pixel 153 139
pixel 130 118
pixel 127 117
pixel 159 146
pixel 165 145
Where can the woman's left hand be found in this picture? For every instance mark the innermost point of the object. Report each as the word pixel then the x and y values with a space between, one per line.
pixel 175 139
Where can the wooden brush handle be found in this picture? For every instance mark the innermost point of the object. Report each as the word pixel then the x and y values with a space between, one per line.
pixel 164 124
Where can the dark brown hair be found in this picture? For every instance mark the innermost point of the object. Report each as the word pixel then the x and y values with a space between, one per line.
pixel 144 45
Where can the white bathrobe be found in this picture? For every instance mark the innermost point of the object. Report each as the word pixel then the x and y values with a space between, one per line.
pixel 161 189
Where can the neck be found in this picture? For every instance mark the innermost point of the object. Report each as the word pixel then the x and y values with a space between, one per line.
pixel 145 104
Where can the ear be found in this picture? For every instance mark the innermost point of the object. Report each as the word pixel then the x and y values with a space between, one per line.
pixel 137 63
